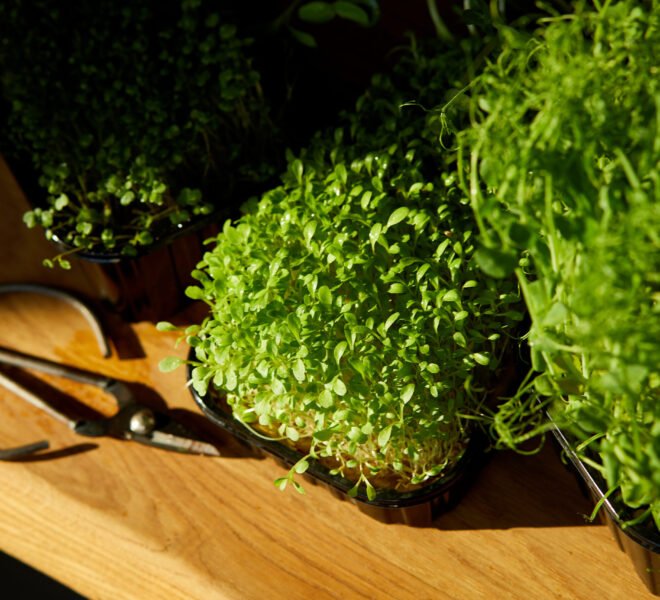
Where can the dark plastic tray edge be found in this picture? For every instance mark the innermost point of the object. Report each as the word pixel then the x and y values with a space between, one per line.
pixel 467 466
pixel 109 257
pixel 594 485
pixel 642 552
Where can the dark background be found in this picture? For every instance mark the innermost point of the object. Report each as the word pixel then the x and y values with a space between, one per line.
pixel 25 582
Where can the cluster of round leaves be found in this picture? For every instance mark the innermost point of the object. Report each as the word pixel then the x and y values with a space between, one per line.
pixel 566 144
pixel 363 12
pixel 347 311
pixel 127 111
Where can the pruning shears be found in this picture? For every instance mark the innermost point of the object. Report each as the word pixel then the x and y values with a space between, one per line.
pixel 133 420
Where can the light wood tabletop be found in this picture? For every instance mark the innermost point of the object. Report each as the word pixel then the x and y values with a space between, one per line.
pixel 116 519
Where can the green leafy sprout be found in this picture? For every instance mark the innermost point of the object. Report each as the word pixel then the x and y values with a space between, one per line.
pixel 129 113
pixel 561 164
pixel 347 315
pixel 365 13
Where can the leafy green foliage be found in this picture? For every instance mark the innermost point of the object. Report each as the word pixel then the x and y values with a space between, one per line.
pixel 347 309
pixel 563 177
pixel 315 12
pixel 129 112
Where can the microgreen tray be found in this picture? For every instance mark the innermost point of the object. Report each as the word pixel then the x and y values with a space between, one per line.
pixel 151 285
pixel 640 542
pixel 417 508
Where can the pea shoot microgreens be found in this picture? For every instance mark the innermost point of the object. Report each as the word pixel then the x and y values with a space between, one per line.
pixel 128 112
pixel 346 311
pixel 563 177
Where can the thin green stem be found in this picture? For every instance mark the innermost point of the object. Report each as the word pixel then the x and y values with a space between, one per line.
pixel 440 28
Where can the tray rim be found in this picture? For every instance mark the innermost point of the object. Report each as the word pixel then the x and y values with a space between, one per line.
pixel 470 460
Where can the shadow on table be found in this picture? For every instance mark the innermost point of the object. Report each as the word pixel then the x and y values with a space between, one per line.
pixel 27 582
pixel 510 491
pixel 515 490
pixel 76 409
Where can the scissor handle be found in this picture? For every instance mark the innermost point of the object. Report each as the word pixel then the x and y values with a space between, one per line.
pixel 26 361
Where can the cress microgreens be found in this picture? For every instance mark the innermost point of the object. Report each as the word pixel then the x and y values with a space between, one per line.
pixel 564 181
pixel 346 310
pixel 128 112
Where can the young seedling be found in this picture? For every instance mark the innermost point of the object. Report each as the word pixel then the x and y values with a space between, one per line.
pixel 347 315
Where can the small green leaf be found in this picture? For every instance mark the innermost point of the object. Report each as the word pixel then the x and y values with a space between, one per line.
pixel 384 436
pixel 397 216
pixel 309 230
pixel 293 323
pixel 374 233
pixel 61 202
pixel 366 199
pixel 325 399
pixel 339 350
pixel 397 288
pixel 292 434
pixel 323 435
pixel 165 326
pixel 194 293
pixel 231 381
pixel 352 12
pixel 227 32
pixel 391 320
pixel 84 227
pixel 316 12
pixel 169 364
pixel 339 387
pixel 325 296
pixel 407 393
pixel 144 238
pixel 371 492
pixel 301 466
pixel 481 358
pixel 299 370
pixel 108 237
pixel 277 386
pixel 304 38
pixel 281 482
pixel 30 219
pixel 459 338
pixel 127 198
pixel 422 271
pixel 341 172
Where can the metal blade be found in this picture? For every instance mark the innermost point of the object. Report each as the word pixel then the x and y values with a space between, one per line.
pixel 169 441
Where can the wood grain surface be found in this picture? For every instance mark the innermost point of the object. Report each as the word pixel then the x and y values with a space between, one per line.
pixel 114 519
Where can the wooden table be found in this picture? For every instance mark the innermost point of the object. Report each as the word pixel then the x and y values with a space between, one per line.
pixel 119 520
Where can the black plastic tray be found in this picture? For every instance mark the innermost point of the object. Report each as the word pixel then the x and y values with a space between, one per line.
pixel 417 508
pixel 166 235
pixel 641 543
pixel 151 285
